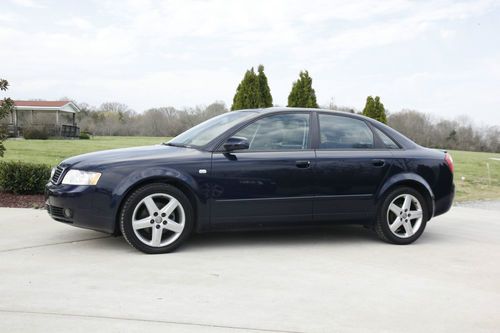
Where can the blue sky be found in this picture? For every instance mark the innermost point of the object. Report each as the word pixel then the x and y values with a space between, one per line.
pixel 440 57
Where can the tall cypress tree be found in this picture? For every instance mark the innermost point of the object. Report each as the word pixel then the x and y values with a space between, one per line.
pixel 265 98
pixel 375 109
pixel 253 92
pixel 303 94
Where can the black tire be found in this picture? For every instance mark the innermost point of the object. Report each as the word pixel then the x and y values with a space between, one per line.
pixel 135 198
pixel 382 224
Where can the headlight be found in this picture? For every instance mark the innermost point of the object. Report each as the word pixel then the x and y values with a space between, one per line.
pixel 79 177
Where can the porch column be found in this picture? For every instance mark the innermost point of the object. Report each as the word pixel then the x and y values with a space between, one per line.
pixel 74 122
pixel 14 121
pixel 57 117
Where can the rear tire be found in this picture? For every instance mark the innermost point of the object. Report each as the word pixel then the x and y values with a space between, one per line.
pixel 402 216
pixel 156 218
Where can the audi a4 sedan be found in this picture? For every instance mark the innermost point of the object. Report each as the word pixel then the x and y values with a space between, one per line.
pixel 257 169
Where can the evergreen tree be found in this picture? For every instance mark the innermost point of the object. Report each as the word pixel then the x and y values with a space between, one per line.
pixel 265 98
pixel 369 109
pixel 375 109
pixel 302 94
pixel 253 92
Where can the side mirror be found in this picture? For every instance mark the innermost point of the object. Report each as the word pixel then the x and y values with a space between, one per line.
pixel 236 143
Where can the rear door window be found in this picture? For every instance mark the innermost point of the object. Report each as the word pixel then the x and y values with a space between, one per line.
pixel 338 132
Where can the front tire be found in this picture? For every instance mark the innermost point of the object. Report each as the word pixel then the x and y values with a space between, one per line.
pixel 156 218
pixel 402 216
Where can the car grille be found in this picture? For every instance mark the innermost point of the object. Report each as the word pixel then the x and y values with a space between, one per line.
pixel 56 178
pixel 55 211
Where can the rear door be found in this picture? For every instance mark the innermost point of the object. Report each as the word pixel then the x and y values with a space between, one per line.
pixel 351 164
pixel 270 183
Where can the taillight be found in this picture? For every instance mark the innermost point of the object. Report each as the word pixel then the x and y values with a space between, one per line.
pixel 449 161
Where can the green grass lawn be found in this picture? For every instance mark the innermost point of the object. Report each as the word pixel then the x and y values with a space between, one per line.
pixel 471 171
pixel 471 175
pixel 52 152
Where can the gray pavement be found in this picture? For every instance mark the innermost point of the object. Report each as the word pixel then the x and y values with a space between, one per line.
pixel 55 277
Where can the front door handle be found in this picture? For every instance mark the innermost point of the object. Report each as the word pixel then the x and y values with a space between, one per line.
pixel 303 164
pixel 378 163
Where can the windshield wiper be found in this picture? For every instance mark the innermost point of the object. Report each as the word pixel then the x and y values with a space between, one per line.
pixel 173 144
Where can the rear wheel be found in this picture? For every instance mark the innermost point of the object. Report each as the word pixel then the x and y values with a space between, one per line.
pixel 156 218
pixel 402 216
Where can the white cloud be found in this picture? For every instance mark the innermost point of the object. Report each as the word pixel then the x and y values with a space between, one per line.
pixel 28 3
pixel 447 33
pixel 77 22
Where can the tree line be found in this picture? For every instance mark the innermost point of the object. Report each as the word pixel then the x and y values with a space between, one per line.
pixel 459 134
pixel 114 118
pixel 424 129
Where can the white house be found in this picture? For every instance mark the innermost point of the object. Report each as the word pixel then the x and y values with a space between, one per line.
pixel 59 117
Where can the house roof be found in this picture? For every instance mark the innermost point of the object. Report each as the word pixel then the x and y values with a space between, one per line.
pixel 41 103
pixel 65 106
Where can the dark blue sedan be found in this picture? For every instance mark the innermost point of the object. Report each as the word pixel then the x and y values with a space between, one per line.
pixel 257 169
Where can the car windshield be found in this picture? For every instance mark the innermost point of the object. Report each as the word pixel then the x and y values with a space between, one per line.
pixel 208 130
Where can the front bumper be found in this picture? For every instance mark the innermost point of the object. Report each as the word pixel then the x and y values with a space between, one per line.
pixel 81 206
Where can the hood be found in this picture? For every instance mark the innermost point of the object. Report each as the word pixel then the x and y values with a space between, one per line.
pixel 98 160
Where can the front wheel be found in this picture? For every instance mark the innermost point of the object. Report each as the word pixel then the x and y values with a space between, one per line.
pixel 156 218
pixel 402 216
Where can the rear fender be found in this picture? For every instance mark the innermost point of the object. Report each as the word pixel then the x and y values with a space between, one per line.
pixel 408 179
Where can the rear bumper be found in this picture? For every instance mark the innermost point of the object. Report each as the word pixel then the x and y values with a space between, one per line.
pixel 444 204
pixel 81 206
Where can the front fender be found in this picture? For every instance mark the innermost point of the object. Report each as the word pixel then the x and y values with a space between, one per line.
pixel 409 179
pixel 156 172
pixel 143 175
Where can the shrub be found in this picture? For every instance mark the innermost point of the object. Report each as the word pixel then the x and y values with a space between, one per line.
pixel 36 133
pixel 84 136
pixel 23 178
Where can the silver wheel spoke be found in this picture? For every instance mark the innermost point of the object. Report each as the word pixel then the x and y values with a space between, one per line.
pixel 407 203
pixel 415 214
pixel 408 228
pixel 170 207
pixel 141 224
pixel 395 209
pixel 156 238
pixel 396 224
pixel 174 226
pixel 150 205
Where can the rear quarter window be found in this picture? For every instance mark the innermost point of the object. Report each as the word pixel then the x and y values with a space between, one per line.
pixel 387 141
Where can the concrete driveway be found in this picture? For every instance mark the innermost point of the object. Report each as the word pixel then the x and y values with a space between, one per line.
pixel 55 277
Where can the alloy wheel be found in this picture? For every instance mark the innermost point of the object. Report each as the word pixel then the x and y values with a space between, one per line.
pixel 405 215
pixel 158 220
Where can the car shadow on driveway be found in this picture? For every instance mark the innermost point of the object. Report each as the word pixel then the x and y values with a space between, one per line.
pixel 331 235
pixel 274 238
pixel 334 236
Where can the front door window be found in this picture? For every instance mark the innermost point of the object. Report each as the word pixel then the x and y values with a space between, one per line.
pixel 278 132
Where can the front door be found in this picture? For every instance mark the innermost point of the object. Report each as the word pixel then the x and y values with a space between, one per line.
pixel 269 184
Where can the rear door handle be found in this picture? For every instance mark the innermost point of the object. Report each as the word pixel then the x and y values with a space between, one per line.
pixel 303 164
pixel 378 163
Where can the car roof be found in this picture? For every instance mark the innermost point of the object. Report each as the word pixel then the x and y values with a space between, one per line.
pixel 277 109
